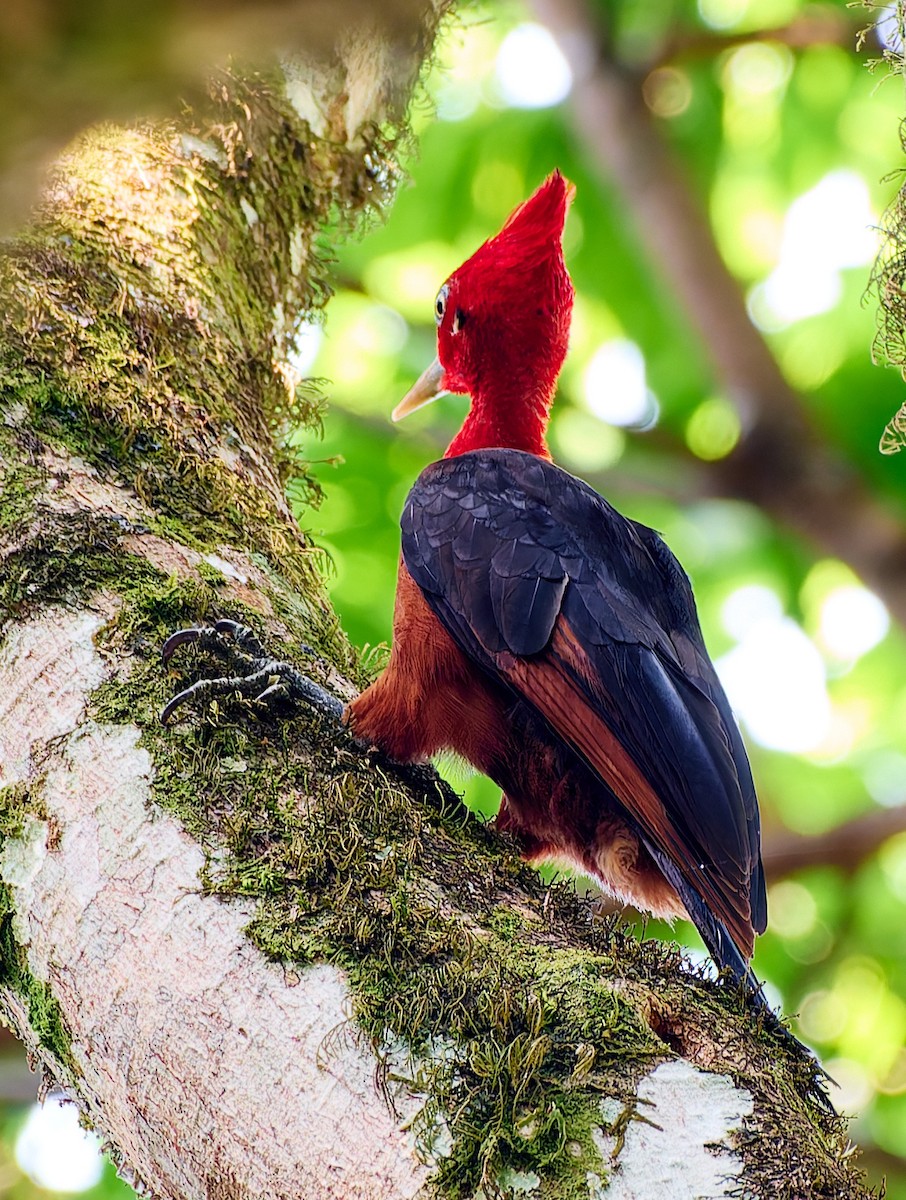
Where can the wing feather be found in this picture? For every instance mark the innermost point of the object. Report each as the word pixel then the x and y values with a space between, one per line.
pixel 581 726
pixel 589 618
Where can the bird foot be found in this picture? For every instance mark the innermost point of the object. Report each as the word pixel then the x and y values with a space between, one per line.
pixel 262 678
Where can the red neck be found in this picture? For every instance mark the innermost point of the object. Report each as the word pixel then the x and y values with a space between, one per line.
pixel 517 423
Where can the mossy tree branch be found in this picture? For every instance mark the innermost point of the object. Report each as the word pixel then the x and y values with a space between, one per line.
pixel 264 963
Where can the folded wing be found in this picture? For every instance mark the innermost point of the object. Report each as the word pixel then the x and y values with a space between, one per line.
pixel 589 618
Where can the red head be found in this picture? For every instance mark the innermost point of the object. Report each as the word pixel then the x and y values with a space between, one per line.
pixel 503 328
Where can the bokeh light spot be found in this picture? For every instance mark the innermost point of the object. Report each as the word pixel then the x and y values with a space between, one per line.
pixel 722 14
pixel 792 909
pixel 531 70
pixel 585 442
pixel 758 68
pixel 747 607
pixel 822 1016
pixel 776 682
pixel 809 357
pixel 305 349
pixel 825 230
pixel 853 620
pixel 713 429
pixel 884 774
pixel 55 1151
pixel 614 386
pixel 408 279
pixel 465 61
pixel 854 1090
pixel 667 91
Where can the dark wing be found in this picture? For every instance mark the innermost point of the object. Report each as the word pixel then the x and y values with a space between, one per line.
pixel 590 619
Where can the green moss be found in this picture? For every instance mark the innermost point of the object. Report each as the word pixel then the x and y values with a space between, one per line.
pixel 345 881
pixel 142 324
pixel 20 483
pixel 44 1014
pixel 531 1034
pixel 511 1026
pixel 199 502
pixel 69 556
pixel 17 802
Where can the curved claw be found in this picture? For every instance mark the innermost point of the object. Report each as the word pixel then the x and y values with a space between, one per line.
pixel 277 688
pixel 234 628
pixel 181 637
pixel 262 678
pixel 241 634
pixel 249 686
pixel 172 705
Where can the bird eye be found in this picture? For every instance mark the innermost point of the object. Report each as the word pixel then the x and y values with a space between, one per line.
pixel 440 304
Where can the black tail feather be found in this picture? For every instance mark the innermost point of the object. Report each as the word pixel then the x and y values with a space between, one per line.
pixel 728 958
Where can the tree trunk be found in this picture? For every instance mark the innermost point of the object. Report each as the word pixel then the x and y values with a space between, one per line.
pixel 263 962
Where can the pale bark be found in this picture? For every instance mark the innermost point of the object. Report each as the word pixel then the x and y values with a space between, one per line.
pixel 205 1064
pixel 262 962
pixel 212 1070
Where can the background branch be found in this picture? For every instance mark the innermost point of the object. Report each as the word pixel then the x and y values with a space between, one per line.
pixel 819 25
pixel 846 846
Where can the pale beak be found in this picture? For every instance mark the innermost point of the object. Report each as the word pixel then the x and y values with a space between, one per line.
pixel 427 387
